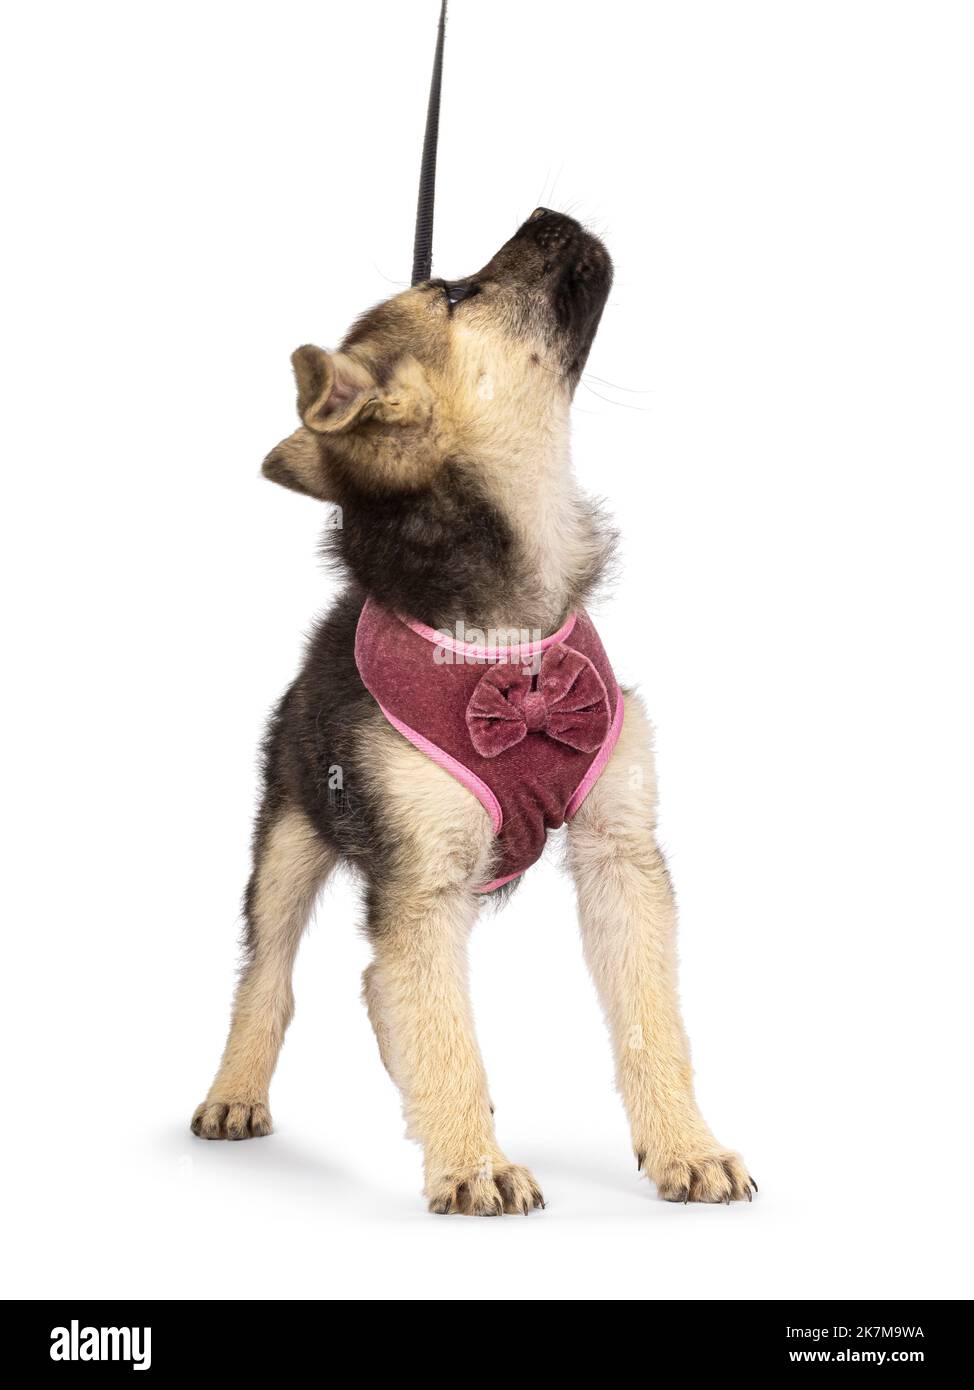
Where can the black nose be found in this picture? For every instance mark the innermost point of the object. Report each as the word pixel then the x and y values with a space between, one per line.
pixel 538 213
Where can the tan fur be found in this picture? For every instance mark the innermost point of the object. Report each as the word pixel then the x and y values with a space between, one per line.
pixel 299 463
pixel 461 387
pixel 416 988
pixel 628 923
pixel 505 404
pixel 293 865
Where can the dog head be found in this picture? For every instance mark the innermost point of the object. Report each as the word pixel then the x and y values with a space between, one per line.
pixel 477 369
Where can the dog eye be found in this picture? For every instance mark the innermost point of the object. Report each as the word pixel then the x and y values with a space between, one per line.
pixel 456 293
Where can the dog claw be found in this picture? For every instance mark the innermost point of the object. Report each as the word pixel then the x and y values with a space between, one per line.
pixel 502 1188
pixel 715 1177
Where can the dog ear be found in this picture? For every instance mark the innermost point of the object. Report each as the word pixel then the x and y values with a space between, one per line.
pixel 334 391
pixel 354 430
pixel 300 463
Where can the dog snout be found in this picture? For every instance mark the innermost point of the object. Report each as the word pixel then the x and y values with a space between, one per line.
pixel 564 245
pixel 550 231
pixel 555 276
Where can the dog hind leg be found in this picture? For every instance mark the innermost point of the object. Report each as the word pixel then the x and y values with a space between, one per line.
pixel 291 863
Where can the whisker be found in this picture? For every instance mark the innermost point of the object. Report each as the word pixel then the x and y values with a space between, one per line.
pixel 631 390
pixel 541 196
pixel 402 284
pixel 543 367
pixel 626 405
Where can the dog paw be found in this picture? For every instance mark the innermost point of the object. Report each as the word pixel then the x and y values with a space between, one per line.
pixel 243 1119
pixel 492 1189
pixel 713 1177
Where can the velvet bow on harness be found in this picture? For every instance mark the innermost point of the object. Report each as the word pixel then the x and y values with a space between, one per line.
pixel 569 704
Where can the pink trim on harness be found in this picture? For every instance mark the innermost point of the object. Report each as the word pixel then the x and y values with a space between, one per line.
pixel 601 759
pixel 473 652
pixel 456 769
pixel 556 728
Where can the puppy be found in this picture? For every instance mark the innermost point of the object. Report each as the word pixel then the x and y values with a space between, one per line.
pixel 440 429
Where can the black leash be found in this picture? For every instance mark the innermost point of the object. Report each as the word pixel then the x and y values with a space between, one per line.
pixel 423 243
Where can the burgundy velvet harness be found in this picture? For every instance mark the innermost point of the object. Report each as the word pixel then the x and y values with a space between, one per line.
pixel 528 728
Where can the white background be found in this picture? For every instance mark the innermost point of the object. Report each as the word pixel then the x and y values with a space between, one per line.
pixel 778 410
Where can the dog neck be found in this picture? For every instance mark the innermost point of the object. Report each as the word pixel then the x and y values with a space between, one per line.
pixel 561 545
pixel 502 540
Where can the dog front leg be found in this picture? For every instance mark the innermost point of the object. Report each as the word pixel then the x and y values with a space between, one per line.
pixel 421 911
pixel 628 922
pixel 420 1006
